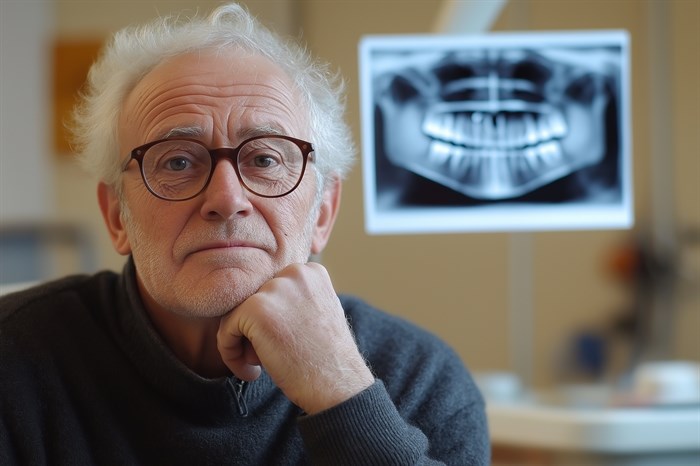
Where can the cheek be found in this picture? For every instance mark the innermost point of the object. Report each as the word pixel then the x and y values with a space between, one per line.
pixel 154 224
pixel 140 212
pixel 287 221
pixel 291 219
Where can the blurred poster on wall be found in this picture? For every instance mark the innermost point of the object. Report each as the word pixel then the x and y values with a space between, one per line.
pixel 496 132
pixel 72 59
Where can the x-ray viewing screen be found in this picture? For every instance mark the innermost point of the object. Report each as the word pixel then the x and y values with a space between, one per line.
pixel 497 132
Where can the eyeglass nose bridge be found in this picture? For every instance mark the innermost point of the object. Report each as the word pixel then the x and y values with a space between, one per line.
pixel 225 153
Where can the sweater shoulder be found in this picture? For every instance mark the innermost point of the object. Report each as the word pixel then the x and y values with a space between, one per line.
pixel 375 329
pixel 399 350
pixel 47 297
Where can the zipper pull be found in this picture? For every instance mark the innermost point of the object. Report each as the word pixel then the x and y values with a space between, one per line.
pixel 239 388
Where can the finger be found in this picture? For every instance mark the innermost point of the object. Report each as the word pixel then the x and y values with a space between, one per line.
pixel 243 364
pixel 243 371
pixel 251 357
pixel 238 354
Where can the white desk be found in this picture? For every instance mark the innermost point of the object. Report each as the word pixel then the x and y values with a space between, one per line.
pixel 653 436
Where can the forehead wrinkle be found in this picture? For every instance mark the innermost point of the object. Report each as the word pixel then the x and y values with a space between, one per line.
pixel 278 105
pixel 164 110
pixel 156 100
pixel 289 98
pixel 162 104
pixel 152 108
pixel 146 94
pixel 149 94
pixel 274 116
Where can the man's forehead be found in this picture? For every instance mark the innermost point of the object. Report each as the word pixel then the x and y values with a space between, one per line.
pixel 214 73
pixel 169 98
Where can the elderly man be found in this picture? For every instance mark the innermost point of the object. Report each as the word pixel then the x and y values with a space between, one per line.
pixel 220 152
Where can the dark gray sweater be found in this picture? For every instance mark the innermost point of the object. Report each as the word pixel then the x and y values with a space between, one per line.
pixel 85 379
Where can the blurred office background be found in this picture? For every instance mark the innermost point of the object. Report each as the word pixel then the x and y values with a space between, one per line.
pixel 580 287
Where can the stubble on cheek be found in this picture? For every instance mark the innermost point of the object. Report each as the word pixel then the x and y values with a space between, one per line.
pixel 169 284
pixel 183 289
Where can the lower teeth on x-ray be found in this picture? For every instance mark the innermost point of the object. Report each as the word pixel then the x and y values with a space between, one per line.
pixel 498 124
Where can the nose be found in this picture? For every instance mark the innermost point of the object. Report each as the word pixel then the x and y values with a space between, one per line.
pixel 225 196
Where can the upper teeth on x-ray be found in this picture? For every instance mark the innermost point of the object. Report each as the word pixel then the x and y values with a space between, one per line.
pixel 496 123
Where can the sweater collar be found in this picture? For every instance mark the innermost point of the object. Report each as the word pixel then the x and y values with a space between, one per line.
pixel 166 374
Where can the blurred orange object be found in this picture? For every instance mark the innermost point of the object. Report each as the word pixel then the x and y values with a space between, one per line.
pixel 625 263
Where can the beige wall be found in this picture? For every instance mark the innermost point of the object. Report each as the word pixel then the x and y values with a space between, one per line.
pixel 458 285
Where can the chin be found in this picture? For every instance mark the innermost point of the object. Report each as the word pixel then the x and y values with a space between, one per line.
pixel 212 296
pixel 206 305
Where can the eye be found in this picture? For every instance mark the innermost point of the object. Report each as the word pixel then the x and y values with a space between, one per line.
pixel 263 161
pixel 178 164
pixel 263 158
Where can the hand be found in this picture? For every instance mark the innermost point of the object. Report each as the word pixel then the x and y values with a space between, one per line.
pixel 295 327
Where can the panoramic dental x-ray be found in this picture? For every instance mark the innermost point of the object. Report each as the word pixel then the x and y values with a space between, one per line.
pixel 536 121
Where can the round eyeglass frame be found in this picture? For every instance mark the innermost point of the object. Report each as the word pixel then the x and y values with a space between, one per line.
pixel 230 153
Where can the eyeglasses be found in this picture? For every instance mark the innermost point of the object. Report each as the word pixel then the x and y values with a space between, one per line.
pixel 180 169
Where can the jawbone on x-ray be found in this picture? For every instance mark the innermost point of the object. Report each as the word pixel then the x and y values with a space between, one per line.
pixel 495 124
pixel 496 132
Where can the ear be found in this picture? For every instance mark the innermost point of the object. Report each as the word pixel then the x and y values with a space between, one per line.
pixel 111 213
pixel 327 213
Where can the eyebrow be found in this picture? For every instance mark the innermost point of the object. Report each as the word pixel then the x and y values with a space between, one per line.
pixel 262 130
pixel 184 131
pixel 242 134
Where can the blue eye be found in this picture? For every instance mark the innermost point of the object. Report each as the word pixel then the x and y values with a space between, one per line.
pixel 178 164
pixel 263 161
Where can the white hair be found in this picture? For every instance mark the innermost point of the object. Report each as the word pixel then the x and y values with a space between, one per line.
pixel 135 51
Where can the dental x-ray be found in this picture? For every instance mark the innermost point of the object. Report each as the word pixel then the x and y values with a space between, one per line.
pixel 498 132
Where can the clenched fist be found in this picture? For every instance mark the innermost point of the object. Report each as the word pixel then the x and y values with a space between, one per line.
pixel 295 328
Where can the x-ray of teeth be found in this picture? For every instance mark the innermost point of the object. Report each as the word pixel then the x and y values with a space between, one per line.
pixel 478 130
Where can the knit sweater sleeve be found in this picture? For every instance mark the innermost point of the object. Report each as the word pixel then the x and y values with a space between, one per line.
pixel 365 430
pixel 424 407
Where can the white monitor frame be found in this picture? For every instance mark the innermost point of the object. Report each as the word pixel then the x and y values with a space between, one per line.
pixel 385 210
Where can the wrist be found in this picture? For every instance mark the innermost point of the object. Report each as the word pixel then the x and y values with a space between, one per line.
pixel 339 391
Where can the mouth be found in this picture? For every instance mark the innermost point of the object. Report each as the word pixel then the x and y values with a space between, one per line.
pixel 222 249
pixel 224 245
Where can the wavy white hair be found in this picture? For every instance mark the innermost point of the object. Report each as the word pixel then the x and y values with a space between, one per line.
pixel 135 51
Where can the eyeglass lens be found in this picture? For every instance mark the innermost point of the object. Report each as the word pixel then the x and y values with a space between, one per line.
pixel 179 169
